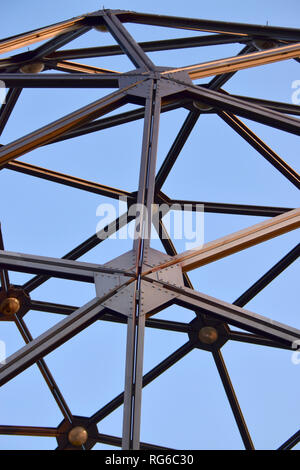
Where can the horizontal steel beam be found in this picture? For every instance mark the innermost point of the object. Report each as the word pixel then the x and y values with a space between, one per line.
pixel 274 32
pixel 28 431
pixel 149 46
pixel 56 267
pixel 61 80
pixel 222 208
pixel 156 323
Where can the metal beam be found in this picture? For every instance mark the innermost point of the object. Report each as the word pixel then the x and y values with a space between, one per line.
pixel 224 102
pixel 149 46
pixel 117 442
pixel 233 401
pixel 45 371
pixel 74 67
pixel 231 314
pixel 53 130
pixel 275 105
pixel 235 242
pixel 127 43
pixel 148 378
pixel 56 267
pixel 274 32
pixel 176 148
pixel 291 442
pixel 61 80
pixel 28 431
pixel 187 128
pixel 83 248
pixel 68 180
pixel 7 108
pixel 259 145
pixel 268 277
pixel 259 340
pixel 51 339
pixel 37 35
pixel 224 208
pixel 155 323
pixel 241 62
pixel 136 324
pixel 15 62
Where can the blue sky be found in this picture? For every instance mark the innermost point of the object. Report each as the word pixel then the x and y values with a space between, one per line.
pixel 186 407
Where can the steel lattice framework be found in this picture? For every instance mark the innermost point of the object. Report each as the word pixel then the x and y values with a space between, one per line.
pixel 126 286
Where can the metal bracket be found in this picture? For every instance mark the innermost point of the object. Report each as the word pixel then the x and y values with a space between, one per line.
pixel 122 301
pixel 154 296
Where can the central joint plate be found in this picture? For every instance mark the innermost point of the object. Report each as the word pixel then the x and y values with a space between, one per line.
pixel 166 83
pixel 153 296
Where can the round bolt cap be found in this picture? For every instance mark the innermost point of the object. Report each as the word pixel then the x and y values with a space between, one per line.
pixel 77 436
pixel 201 106
pixel 208 335
pixel 10 306
pixel 101 27
pixel 34 67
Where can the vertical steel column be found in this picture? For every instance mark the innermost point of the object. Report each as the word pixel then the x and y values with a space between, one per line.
pixel 136 324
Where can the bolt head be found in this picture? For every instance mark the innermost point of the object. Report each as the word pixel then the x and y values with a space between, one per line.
pixel 78 436
pixel 208 335
pixel 10 306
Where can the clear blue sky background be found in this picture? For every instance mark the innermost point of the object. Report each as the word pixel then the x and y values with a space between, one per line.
pixel 186 407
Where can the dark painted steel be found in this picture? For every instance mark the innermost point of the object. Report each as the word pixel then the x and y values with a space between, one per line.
pixel 225 208
pixel 261 147
pixel 148 378
pixel 232 398
pixel 291 442
pixel 3 272
pixel 68 180
pixel 50 340
pixel 246 109
pixel 130 47
pixel 61 80
pixel 150 46
pixel 83 248
pixel 7 107
pixel 45 371
pixel 56 267
pixel 268 277
pixel 289 34
pixel 156 323
pixel 255 339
